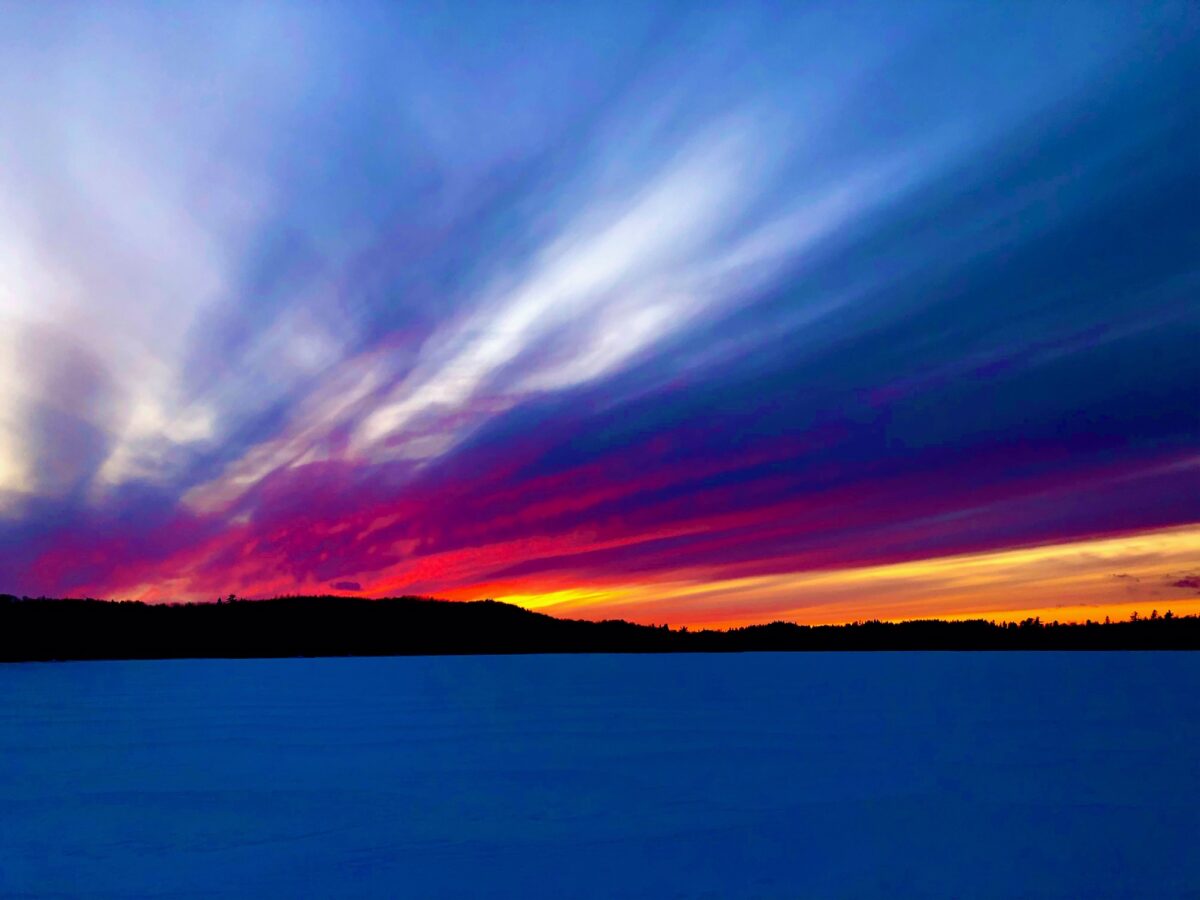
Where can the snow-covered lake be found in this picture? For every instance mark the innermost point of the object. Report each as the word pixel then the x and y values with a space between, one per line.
pixel 1061 774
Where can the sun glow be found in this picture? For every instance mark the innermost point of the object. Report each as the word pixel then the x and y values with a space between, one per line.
pixel 1071 582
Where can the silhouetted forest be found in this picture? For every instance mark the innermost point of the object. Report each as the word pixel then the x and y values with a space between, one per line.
pixel 44 629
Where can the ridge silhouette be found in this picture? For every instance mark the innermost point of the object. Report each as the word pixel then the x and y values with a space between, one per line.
pixel 48 629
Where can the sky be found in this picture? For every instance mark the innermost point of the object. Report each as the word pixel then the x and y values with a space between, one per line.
pixel 703 314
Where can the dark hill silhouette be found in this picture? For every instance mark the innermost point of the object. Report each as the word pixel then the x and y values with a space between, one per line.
pixel 45 629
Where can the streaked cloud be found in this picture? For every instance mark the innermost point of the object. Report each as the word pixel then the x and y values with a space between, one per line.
pixel 594 303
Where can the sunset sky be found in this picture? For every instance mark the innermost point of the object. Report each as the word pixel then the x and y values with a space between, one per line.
pixel 705 314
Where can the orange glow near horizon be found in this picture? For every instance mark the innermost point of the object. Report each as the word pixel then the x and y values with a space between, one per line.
pixel 1072 581
pixel 1113 576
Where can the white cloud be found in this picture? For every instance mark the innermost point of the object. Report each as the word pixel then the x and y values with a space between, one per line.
pixel 577 278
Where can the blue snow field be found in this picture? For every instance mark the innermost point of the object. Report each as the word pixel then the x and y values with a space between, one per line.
pixel 774 775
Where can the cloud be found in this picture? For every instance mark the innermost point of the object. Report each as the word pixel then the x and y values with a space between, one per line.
pixel 559 302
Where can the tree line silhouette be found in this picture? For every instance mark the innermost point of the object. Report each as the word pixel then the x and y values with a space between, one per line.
pixel 48 629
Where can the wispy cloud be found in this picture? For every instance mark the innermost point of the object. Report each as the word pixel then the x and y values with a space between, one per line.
pixel 471 299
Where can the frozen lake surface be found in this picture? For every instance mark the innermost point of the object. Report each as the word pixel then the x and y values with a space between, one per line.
pixel 902 774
